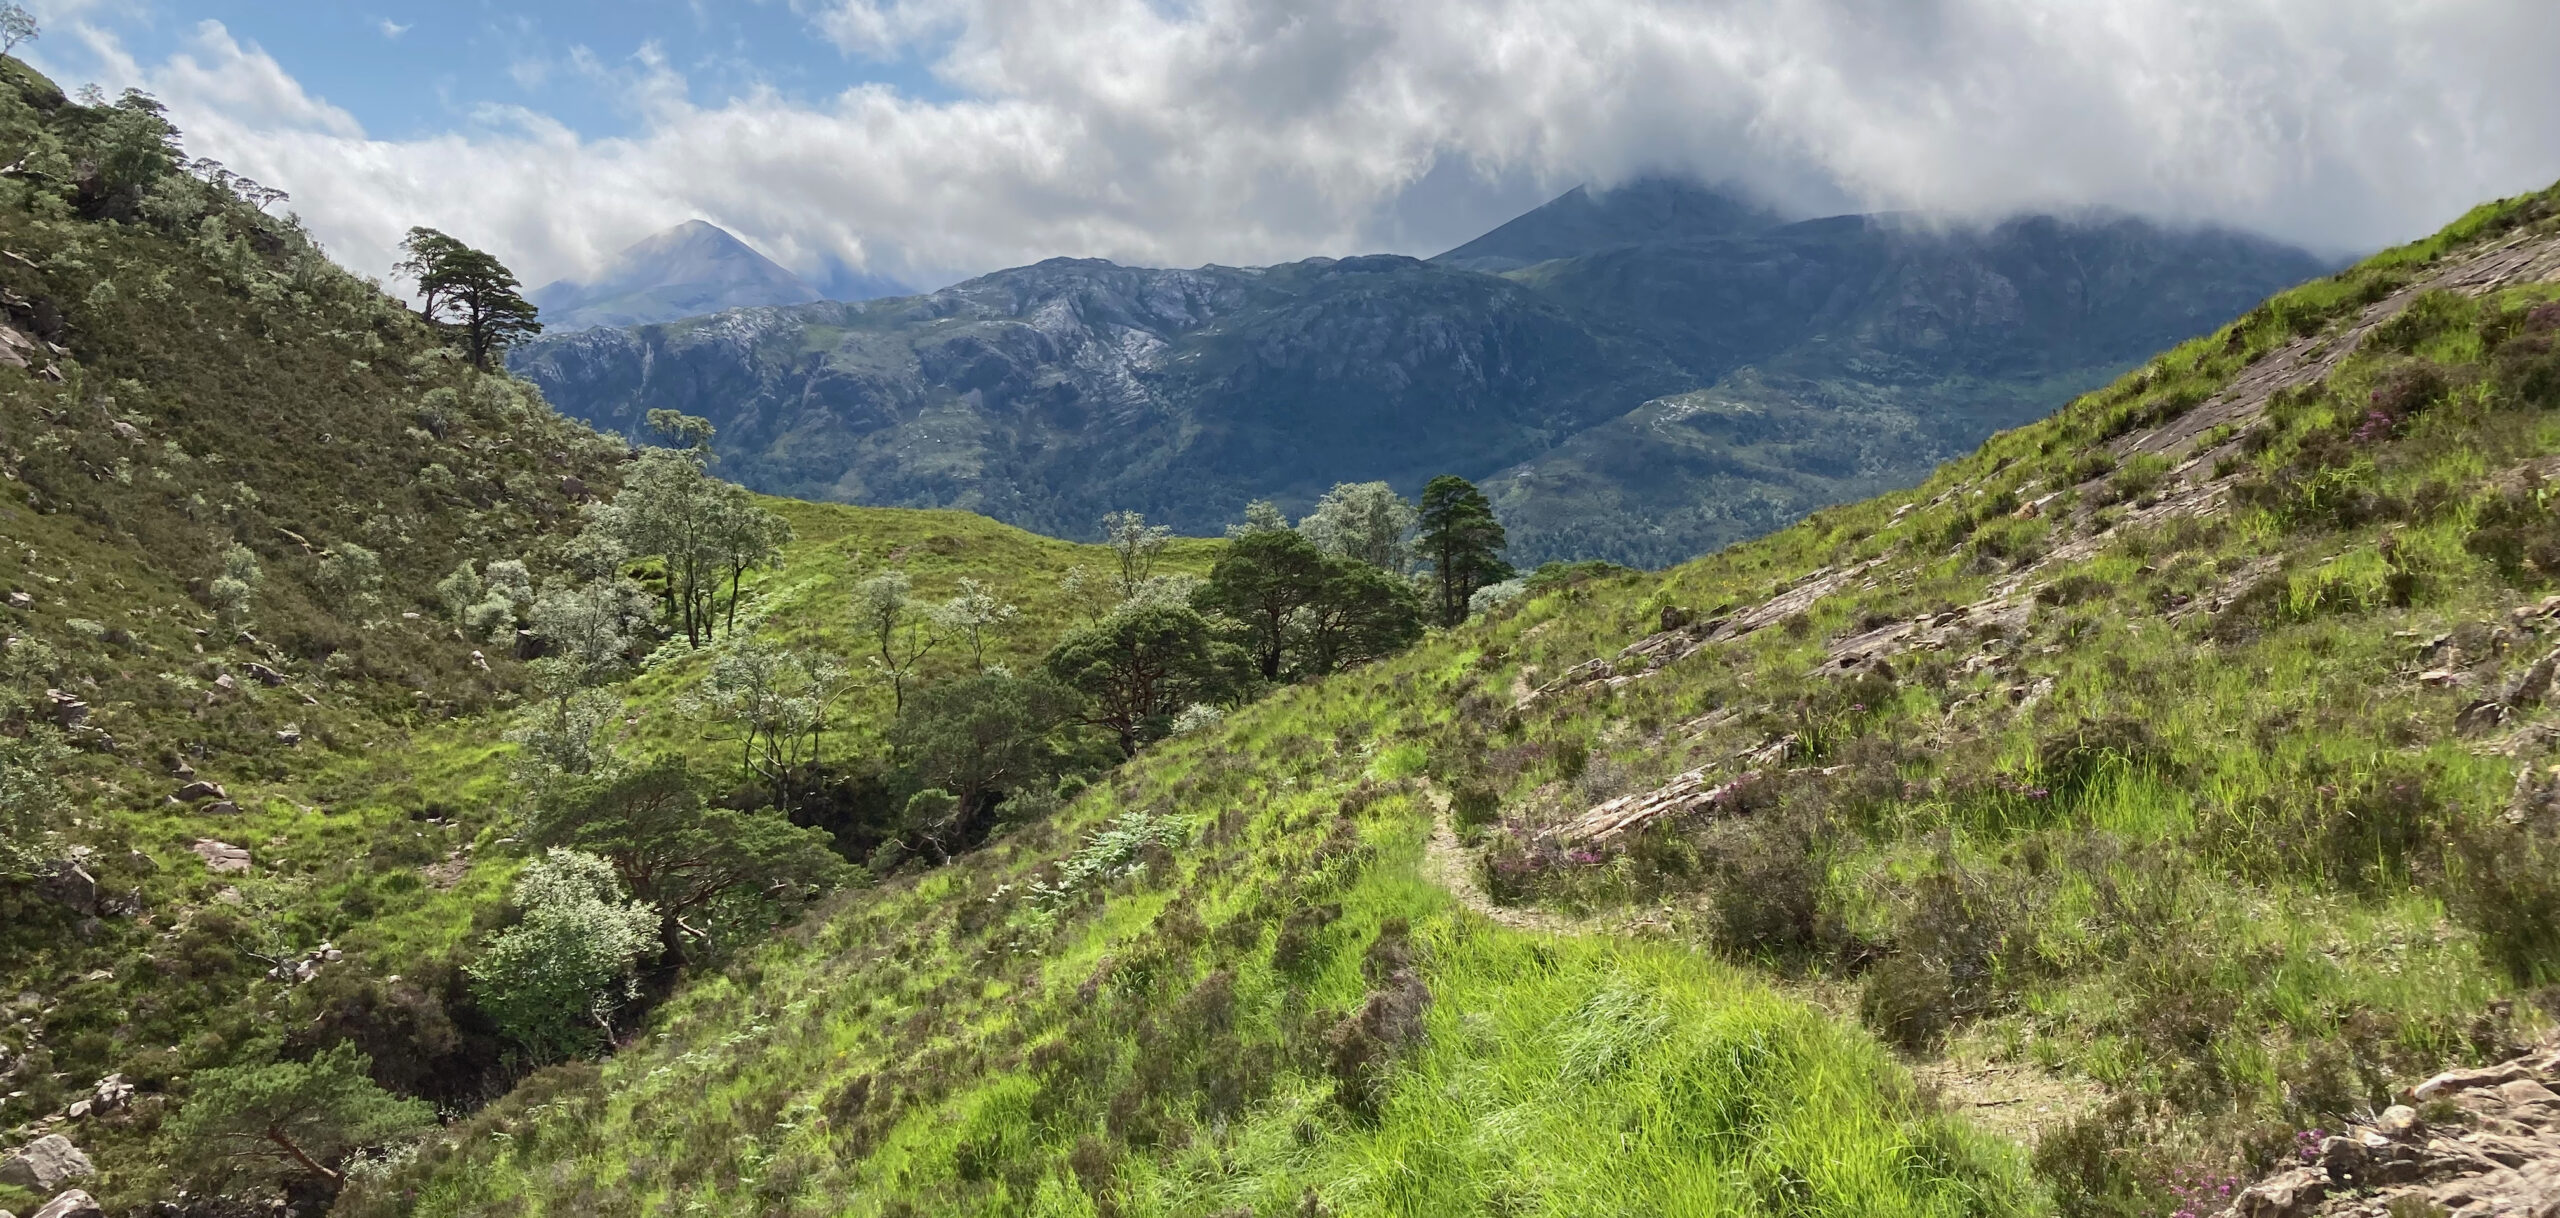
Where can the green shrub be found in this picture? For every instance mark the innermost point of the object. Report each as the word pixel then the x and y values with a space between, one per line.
pixel 553 981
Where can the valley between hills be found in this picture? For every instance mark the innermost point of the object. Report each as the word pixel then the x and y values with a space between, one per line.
pixel 417 801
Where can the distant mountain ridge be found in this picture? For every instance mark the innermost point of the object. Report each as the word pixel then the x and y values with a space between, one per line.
pixel 697 267
pixel 1653 371
pixel 1582 222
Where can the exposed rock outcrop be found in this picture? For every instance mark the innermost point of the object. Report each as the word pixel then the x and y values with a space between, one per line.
pixel 46 1164
pixel 2498 1158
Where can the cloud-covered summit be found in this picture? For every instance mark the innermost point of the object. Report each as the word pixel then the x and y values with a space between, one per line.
pixel 1253 131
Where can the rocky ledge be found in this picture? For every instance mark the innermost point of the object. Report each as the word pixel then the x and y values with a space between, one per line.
pixel 2481 1143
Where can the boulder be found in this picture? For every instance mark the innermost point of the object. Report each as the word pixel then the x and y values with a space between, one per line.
pixel 221 858
pixel 111 1093
pixel 46 1164
pixel 71 886
pixel 264 674
pixel 2531 688
pixel 73 1204
pixel 20 600
pixel 2288 1195
pixel 221 807
pixel 202 788
pixel 290 733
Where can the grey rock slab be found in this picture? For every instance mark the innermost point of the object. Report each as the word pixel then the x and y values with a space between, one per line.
pixel 73 1204
pixel 221 858
pixel 46 1164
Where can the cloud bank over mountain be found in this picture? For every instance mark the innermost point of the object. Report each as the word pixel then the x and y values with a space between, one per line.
pixel 1252 131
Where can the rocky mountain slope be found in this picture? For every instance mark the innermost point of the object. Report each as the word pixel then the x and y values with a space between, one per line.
pixel 1673 372
pixel 694 268
pixel 2141 806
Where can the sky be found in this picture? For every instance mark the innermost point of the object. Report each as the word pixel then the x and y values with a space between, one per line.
pixel 921 141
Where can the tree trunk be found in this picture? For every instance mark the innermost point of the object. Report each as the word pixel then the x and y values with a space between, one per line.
pixel 308 1163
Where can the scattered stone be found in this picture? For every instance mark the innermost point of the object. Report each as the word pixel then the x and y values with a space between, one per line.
pixel 2452 1081
pixel 221 858
pixel 307 966
pixel 479 661
pixel 20 600
pixel 2500 1156
pixel 1774 753
pixel 2439 678
pixel 264 674
pixel 1687 794
pixel 220 807
pixel 2480 716
pixel 68 710
pixel 126 431
pixel 202 788
pixel 573 486
pixel 2286 1196
pixel 290 733
pixel 71 886
pixel 73 1204
pixel 46 1164
pixel 225 683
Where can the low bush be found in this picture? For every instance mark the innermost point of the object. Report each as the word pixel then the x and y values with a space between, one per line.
pixel 2506 889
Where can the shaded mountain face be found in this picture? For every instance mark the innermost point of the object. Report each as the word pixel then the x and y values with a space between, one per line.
pixel 1835 359
pixel 686 271
pixel 1583 222
pixel 1659 371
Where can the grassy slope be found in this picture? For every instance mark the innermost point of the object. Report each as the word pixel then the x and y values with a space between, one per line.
pixel 221 382
pixel 2226 864
pixel 386 840
pixel 835 547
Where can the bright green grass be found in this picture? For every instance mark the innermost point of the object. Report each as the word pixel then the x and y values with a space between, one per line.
pixel 1558 1076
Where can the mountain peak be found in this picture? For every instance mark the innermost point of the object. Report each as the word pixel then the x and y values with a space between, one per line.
pixel 693 268
pixel 1584 221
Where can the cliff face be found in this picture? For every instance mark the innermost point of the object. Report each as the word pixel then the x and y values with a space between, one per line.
pixel 1694 375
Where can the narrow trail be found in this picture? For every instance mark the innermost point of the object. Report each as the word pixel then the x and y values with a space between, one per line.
pixel 1445 863
pixel 2011 1099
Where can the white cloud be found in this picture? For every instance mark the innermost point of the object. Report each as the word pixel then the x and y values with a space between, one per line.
pixel 390 28
pixel 1245 131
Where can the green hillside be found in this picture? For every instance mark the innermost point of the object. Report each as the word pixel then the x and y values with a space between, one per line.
pixel 256 795
pixel 2074 832
pixel 2082 831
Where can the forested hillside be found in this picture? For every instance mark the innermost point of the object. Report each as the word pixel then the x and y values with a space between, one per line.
pixel 2143 803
